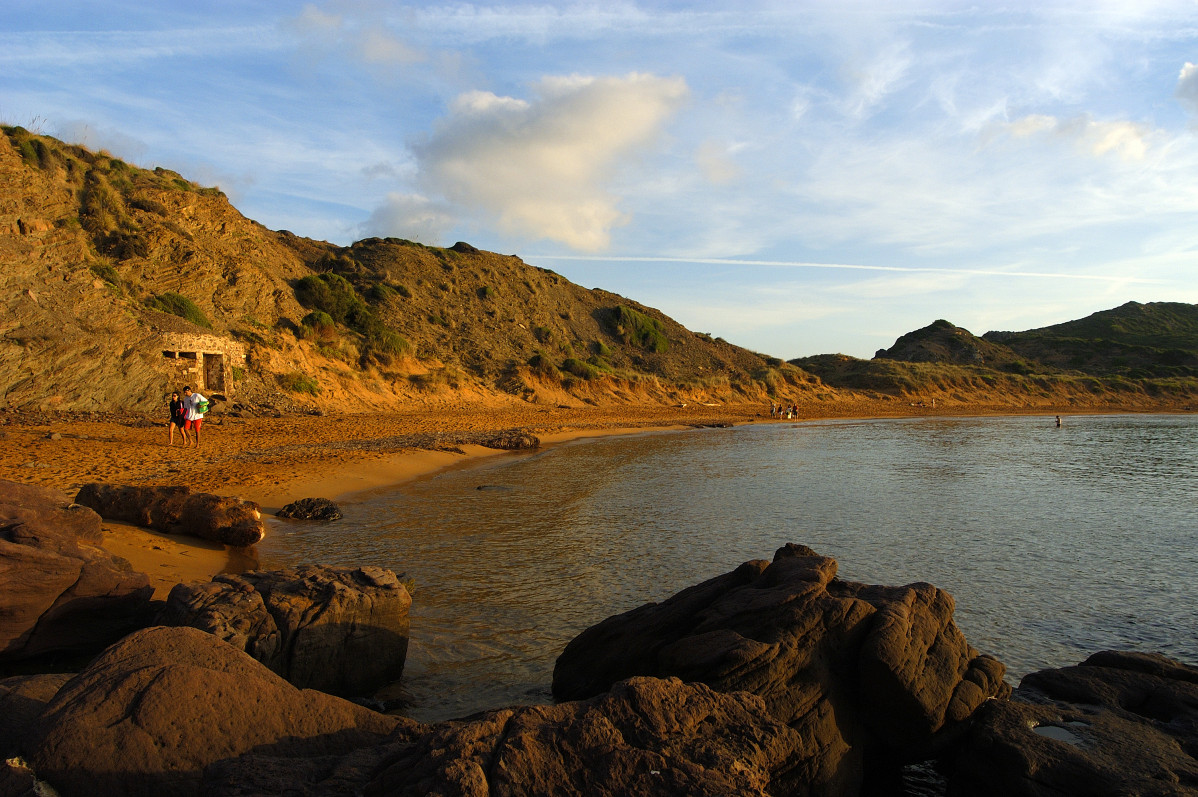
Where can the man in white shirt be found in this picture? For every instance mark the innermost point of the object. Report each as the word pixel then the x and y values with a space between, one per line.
pixel 192 417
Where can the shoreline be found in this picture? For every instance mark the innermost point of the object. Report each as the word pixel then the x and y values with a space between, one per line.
pixel 275 461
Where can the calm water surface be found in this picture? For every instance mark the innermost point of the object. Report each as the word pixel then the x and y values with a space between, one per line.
pixel 1055 542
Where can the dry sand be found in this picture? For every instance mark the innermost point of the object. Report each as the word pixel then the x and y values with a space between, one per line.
pixel 277 460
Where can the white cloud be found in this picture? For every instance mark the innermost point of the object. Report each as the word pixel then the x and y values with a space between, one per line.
pixel 716 163
pixel 410 216
pixel 873 81
pixel 542 168
pixel 1127 139
pixel 364 36
pixel 1187 87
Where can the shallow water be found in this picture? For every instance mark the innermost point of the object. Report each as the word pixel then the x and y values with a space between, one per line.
pixel 1055 542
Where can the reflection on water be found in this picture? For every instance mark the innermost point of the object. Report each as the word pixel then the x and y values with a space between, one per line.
pixel 1055 542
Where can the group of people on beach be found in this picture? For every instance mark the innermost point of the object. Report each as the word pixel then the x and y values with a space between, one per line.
pixel 187 415
pixel 784 410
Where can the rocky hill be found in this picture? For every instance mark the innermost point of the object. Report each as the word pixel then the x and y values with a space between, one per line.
pixel 121 283
pixel 1144 353
pixel 1158 339
pixel 942 342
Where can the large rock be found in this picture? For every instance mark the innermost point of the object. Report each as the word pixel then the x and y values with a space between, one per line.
pixel 177 510
pixel 60 591
pixel 22 700
pixel 340 630
pixel 645 737
pixel 869 676
pixel 154 710
pixel 1117 724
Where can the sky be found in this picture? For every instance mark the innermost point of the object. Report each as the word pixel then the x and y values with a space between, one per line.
pixel 795 177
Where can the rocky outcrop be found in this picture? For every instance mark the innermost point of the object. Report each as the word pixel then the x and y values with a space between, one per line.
pixel 1117 724
pixel 61 591
pixel 340 630
pixel 22 700
pixel 177 510
pixel 645 737
pixel 311 509
pixel 852 668
pixel 512 440
pixel 154 710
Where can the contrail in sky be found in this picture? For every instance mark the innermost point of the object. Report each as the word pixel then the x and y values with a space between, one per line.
pixel 849 266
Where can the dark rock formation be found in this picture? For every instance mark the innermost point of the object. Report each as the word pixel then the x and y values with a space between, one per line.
pixel 1117 724
pixel 176 510
pixel 22 700
pixel 311 509
pixel 340 630
pixel 512 440
pixel 154 710
pixel 853 668
pixel 645 737
pixel 59 591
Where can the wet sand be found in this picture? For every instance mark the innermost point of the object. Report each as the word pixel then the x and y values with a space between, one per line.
pixel 277 460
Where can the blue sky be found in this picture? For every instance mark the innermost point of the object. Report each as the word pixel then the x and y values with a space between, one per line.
pixel 797 178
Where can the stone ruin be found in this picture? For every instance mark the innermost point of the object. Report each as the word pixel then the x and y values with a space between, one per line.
pixel 203 362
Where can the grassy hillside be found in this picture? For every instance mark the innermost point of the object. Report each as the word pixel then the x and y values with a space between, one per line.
pixel 1135 352
pixel 1158 339
pixel 101 258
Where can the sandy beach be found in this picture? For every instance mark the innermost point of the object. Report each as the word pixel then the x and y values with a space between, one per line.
pixel 277 460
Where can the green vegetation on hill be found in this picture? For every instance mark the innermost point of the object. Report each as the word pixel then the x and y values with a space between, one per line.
pixel 1151 350
pixel 1155 340
pixel 177 304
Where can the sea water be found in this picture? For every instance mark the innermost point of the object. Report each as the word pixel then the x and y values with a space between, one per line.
pixel 1055 542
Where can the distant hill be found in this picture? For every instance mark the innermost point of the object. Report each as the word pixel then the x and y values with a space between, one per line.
pixel 117 279
pixel 942 342
pixel 1158 339
pixel 1136 350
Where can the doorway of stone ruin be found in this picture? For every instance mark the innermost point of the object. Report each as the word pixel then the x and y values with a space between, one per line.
pixel 214 372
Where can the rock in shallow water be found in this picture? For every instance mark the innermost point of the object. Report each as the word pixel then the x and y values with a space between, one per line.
pixel 310 509
pixel 869 676
pixel 338 629
pixel 1117 724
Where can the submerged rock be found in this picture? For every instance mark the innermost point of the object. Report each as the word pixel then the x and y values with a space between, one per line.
pixel 338 629
pixel 59 591
pixel 177 510
pixel 311 509
pixel 869 676
pixel 1117 724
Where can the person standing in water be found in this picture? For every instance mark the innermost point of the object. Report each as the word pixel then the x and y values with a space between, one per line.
pixel 1058 421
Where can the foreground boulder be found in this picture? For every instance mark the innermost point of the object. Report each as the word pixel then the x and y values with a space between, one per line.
pixel 154 710
pixel 177 510
pixel 341 630
pixel 59 591
pixel 1117 724
pixel 22 700
pixel 856 670
pixel 645 737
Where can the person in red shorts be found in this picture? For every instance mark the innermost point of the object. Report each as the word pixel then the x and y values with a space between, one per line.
pixel 194 406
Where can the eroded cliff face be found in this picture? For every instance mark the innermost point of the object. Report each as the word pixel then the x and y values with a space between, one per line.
pixel 85 241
